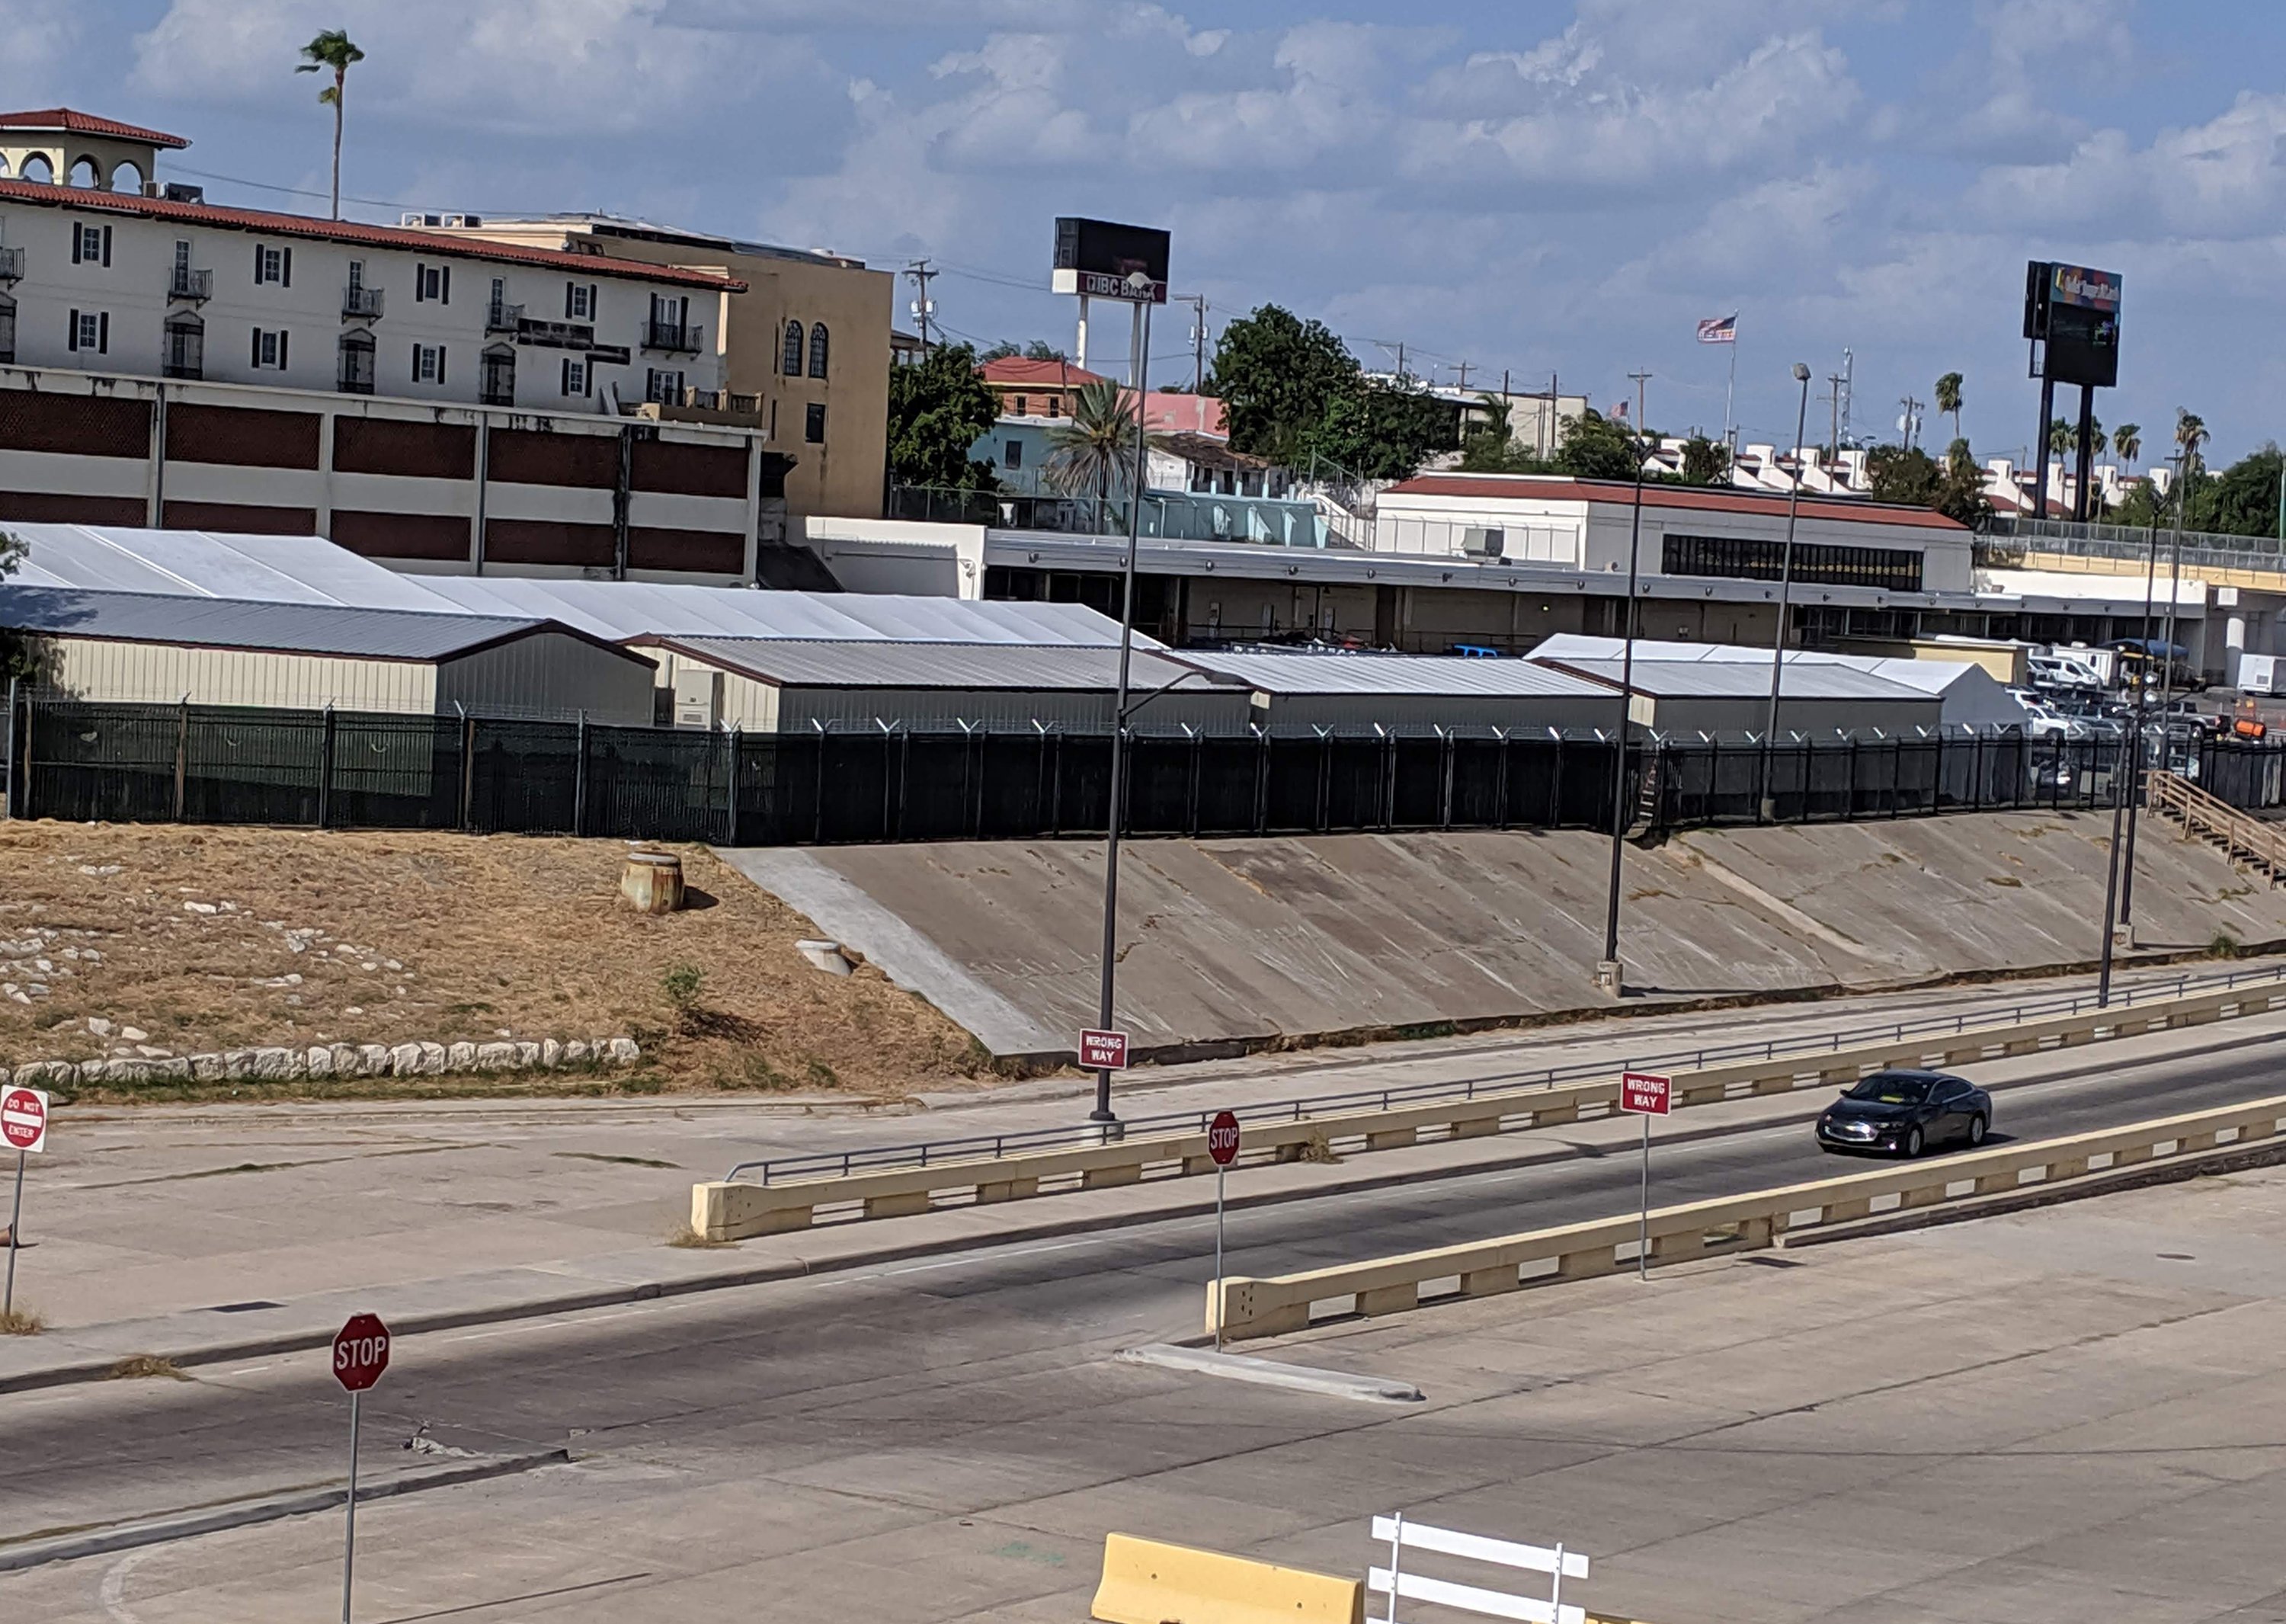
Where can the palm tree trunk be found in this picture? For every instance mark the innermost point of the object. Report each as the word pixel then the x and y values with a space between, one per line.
pixel 341 81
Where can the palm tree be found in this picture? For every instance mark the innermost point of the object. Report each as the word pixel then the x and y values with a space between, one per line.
pixel 2190 435
pixel 1948 398
pixel 2128 440
pixel 1097 448
pixel 332 49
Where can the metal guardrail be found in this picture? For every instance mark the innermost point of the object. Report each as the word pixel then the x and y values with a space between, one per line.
pixel 974 1148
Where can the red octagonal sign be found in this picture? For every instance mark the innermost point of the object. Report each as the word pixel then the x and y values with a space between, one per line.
pixel 1222 1139
pixel 361 1351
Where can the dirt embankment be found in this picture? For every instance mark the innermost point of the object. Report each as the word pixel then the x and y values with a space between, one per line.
pixel 125 939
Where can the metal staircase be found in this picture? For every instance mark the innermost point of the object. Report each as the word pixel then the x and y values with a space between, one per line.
pixel 2249 844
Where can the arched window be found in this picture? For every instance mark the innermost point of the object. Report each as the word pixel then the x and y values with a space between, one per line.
pixel 185 345
pixel 85 173
pixel 36 167
pixel 496 382
pixel 354 375
pixel 790 363
pixel 4 166
pixel 817 350
pixel 127 177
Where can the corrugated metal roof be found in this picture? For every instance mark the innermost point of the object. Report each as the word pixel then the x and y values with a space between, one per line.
pixel 1927 675
pixel 211 563
pixel 1734 680
pixel 223 623
pixel 618 609
pixel 797 663
pixel 1394 673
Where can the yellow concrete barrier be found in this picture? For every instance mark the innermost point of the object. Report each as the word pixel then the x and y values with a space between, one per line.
pixel 1148 1581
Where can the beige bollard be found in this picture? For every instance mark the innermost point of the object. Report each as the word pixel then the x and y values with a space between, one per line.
pixel 653 881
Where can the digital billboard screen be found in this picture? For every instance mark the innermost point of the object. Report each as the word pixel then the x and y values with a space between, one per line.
pixel 1096 258
pixel 2074 311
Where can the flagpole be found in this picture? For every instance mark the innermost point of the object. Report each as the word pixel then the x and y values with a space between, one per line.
pixel 1730 391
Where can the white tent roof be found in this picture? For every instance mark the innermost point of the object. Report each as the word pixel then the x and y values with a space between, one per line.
pixel 1970 693
pixel 211 564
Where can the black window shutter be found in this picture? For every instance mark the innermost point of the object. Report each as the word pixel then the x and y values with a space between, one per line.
pixel 257 265
pixel 594 303
pixel 420 286
pixel 281 352
pixel 75 231
pixel 258 346
pixel 416 349
pixel 440 364
pixel 103 334
pixel 286 268
pixel 107 247
pixel 70 336
pixel 444 295
pixel 568 289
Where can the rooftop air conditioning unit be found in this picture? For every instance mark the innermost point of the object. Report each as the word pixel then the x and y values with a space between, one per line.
pixel 415 218
pixel 1479 542
pixel 464 219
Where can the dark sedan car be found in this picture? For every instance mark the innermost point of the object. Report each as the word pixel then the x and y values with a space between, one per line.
pixel 1902 1112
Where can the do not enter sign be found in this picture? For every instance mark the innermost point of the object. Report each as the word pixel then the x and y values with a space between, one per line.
pixel 361 1351
pixel 23 1119
pixel 1222 1139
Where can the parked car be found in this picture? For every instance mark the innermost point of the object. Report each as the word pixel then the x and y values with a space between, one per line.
pixel 1902 1112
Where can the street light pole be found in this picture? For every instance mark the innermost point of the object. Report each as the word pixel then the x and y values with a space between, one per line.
pixel 1609 975
pixel 2142 730
pixel 1139 285
pixel 1786 594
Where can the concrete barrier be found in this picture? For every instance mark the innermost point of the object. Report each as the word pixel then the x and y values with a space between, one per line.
pixel 734 1209
pixel 1282 1304
pixel 1147 1581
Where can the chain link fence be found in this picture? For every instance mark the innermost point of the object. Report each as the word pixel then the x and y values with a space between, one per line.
pixel 199 764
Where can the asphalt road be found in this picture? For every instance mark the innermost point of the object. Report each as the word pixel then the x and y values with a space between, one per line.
pixel 680 1373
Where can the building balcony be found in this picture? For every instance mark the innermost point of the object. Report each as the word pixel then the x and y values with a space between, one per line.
pixel 673 337
pixel 719 406
pixel 500 317
pixel 197 287
pixel 360 302
pixel 12 264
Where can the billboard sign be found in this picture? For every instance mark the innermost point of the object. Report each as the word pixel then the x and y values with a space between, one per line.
pixel 2076 285
pixel 2073 312
pixel 1100 258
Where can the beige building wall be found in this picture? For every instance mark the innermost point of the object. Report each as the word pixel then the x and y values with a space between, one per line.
pixel 841 475
pixel 103 670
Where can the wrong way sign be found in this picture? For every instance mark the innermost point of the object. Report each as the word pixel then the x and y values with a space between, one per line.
pixel 23 1119
pixel 1646 1093
pixel 1102 1051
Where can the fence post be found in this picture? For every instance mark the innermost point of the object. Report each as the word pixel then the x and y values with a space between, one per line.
pixel 732 779
pixel 579 782
pixel 468 765
pixel 1198 754
pixel 325 771
pixel 8 800
pixel 1261 778
pixel 182 752
pixel 1324 774
pixel 1500 780
pixel 1445 796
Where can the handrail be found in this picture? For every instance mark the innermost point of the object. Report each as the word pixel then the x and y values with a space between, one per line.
pixel 828 1164
pixel 2199 810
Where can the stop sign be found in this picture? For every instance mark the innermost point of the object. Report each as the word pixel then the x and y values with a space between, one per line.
pixel 1222 1139
pixel 23 1119
pixel 361 1351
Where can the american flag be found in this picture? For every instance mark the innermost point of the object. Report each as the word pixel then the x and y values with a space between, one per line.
pixel 1719 330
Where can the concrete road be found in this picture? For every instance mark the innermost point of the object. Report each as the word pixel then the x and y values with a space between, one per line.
pixel 142 1212
pixel 827 1365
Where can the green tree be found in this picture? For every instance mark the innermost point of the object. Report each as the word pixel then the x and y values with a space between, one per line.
pixel 1278 376
pixel 1095 451
pixel 332 50
pixel 1006 350
pixel 938 409
pixel 1041 350
pixel 1948 398
pixel 1595 447
pixel 1706 462
pixel 2128 440
pixel 2242 500
pixel 1902 474
pixel 2190 437
pixel 19 654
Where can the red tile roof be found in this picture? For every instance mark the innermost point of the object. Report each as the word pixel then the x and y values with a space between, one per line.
pixel 89 200
pixel 1535 488
pixel 1016 371
pixel 87 124
pixel 1165 410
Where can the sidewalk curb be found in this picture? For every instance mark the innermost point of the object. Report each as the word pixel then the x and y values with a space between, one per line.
pixel 578 1301
pixel 159 1530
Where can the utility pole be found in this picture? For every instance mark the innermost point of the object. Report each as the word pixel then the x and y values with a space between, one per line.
pixel 1198 304
pixel 1464 368
pixel 1833 382
pixel 1640 379
pixel 1909 419
pixel 1849 393
pixel 923 307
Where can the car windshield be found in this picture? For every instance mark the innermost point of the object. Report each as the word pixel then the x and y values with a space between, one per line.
pixel 1886 1088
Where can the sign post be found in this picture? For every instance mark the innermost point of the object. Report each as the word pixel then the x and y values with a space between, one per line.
pixel 360 1354
pixel 1222 1145
pixel 1645 1094
pixel 23 1129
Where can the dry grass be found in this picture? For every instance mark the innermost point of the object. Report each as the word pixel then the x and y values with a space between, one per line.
pixel 22 1323
pixel 684 1235
pixel 202 939
pixel 145 1366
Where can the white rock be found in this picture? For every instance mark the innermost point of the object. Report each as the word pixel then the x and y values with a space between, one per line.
pixel 273 1064
pixel 527 1055
pixel 209 1068
pixel 374 1060
pixel 237 1064
pixel 575 1052
pixel 390 963
pixel 405 1060
pixel 97 1071
pixel 230 907
pixel 349 1060
pixel 151 1052
pixel 133 1034
pixel 98 1025
pixel 90 956
pixel 318 1060
pixel 625 1051
pixel 433 1056
pixel 461 1057
pixel 354 1009
pixel 198 907
pixel 551 1053
pixel 495 1057
pixel 46 966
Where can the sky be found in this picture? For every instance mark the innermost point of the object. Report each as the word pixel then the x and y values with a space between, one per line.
pixel 1532 187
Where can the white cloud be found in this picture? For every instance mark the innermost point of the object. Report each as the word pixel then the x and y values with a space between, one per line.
pixel 2223 180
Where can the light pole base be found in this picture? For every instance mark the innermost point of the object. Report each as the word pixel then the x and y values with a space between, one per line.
pixel 1610 978
pixel 1770 810
pixel 2123 936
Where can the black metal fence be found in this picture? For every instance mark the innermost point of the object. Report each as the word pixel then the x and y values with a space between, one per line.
pixel 340 770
